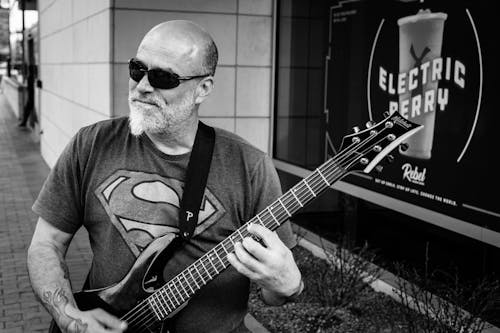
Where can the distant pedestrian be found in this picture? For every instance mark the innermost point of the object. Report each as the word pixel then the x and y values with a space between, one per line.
pixel 29 107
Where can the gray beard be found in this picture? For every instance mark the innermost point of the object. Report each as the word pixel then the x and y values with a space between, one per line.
pixel 159 120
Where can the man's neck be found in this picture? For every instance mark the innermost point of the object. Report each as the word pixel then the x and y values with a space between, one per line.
pixel 176 141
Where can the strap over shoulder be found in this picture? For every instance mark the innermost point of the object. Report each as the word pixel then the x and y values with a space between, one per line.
pixel 196 179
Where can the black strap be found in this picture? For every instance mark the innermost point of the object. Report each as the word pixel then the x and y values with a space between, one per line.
pixel 196 180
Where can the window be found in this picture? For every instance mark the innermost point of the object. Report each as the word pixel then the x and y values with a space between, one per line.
pixel 299 110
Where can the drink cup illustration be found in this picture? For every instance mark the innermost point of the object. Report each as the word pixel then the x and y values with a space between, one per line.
pixel 420 40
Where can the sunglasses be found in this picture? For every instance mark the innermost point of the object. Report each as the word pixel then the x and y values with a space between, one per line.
pixel 158 78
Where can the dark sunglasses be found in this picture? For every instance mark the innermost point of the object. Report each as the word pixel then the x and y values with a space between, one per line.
pixel 158 78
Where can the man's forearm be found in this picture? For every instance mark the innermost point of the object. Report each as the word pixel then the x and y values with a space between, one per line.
pixel 50 281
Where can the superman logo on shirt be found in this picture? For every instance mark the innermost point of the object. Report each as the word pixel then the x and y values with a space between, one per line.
pixel 145 206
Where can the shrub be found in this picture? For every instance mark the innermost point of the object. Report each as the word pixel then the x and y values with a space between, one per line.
pixel 442 303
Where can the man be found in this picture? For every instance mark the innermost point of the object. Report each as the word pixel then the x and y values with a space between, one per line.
pixel 122 179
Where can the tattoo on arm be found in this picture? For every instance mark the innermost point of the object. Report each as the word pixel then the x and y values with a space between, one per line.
pixel 56 301
pixel 49 277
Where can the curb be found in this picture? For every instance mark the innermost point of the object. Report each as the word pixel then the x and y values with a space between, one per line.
pixel 253 325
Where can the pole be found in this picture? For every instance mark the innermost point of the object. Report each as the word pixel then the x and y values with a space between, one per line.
pixel 23 64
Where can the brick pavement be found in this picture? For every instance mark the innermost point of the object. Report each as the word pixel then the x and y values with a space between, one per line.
pixel 22 172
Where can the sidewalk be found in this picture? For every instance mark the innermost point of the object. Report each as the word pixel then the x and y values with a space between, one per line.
pixel 22 172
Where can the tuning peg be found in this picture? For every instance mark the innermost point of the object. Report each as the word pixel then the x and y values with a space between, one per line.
pixel 370 124
pixel 356 129
pixel 379 168
pixel 404 146
pixel 390 158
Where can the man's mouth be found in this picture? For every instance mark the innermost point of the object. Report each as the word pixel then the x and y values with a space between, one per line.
pixel 144 101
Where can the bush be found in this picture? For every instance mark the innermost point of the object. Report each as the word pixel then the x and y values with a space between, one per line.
pixel 458 307
pixel 337 298
pixel 348 273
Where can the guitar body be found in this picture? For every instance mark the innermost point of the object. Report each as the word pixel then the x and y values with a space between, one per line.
pixel 142 280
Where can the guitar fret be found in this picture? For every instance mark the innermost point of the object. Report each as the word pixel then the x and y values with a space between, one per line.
pixel 195 282
pixel 309 187
pixel 260 221
pixel 222 262
pixel 169 299
pixel 239 233
pixel 286 210
pixel 211 262
pixel 178 292
pixel 209 275
pixel 272 215
pixel 326 181
pixel 188 284
pixel 224 248
pixel 235 239
pixel 232 240
pixel 151 304
pixel 155 302
pixel 296 198
pixel 201 276
pixel 161 293
pixel 172 293
pixel 161 305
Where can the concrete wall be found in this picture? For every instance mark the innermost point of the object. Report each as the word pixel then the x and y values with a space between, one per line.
pixel 85 46
pixel 75 67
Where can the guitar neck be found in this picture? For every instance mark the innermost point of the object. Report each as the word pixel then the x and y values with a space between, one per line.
pixel 182 287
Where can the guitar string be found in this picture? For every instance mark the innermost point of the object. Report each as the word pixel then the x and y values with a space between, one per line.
pixel 315 179
pixel 270 220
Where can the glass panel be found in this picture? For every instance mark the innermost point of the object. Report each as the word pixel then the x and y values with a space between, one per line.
pixel 301 51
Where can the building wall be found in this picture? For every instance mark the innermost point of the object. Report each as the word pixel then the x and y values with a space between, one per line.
pixel 85 46
pixel 75 67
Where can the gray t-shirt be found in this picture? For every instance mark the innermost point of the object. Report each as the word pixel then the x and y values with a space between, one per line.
pixel 126 193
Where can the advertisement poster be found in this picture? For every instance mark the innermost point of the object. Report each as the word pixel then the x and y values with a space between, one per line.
pixel 437 64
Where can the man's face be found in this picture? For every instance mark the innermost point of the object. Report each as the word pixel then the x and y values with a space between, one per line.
pixel 155 110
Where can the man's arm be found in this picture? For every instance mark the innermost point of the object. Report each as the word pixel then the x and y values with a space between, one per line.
pixel 50 281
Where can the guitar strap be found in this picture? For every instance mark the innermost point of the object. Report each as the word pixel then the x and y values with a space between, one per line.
pixel 194 187
pixel 196 180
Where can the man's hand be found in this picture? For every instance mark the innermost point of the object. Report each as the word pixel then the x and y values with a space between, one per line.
pixel 93 321
pixel 271 266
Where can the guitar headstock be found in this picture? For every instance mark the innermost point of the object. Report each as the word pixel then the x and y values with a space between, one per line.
pixel 364 149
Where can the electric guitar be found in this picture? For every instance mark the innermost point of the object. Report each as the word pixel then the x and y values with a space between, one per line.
pixel 144 300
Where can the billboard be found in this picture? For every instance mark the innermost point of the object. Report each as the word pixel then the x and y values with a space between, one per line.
pixel 436 63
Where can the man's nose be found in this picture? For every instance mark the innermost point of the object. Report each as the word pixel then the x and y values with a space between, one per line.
pixel 143 85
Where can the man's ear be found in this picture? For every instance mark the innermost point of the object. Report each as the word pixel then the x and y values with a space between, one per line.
pixel 204 89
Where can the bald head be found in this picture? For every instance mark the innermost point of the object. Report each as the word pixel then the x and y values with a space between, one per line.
pixel 185 40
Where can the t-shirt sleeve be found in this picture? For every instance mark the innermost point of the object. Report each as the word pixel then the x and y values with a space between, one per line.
pixel 267 188
pixel 59 199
